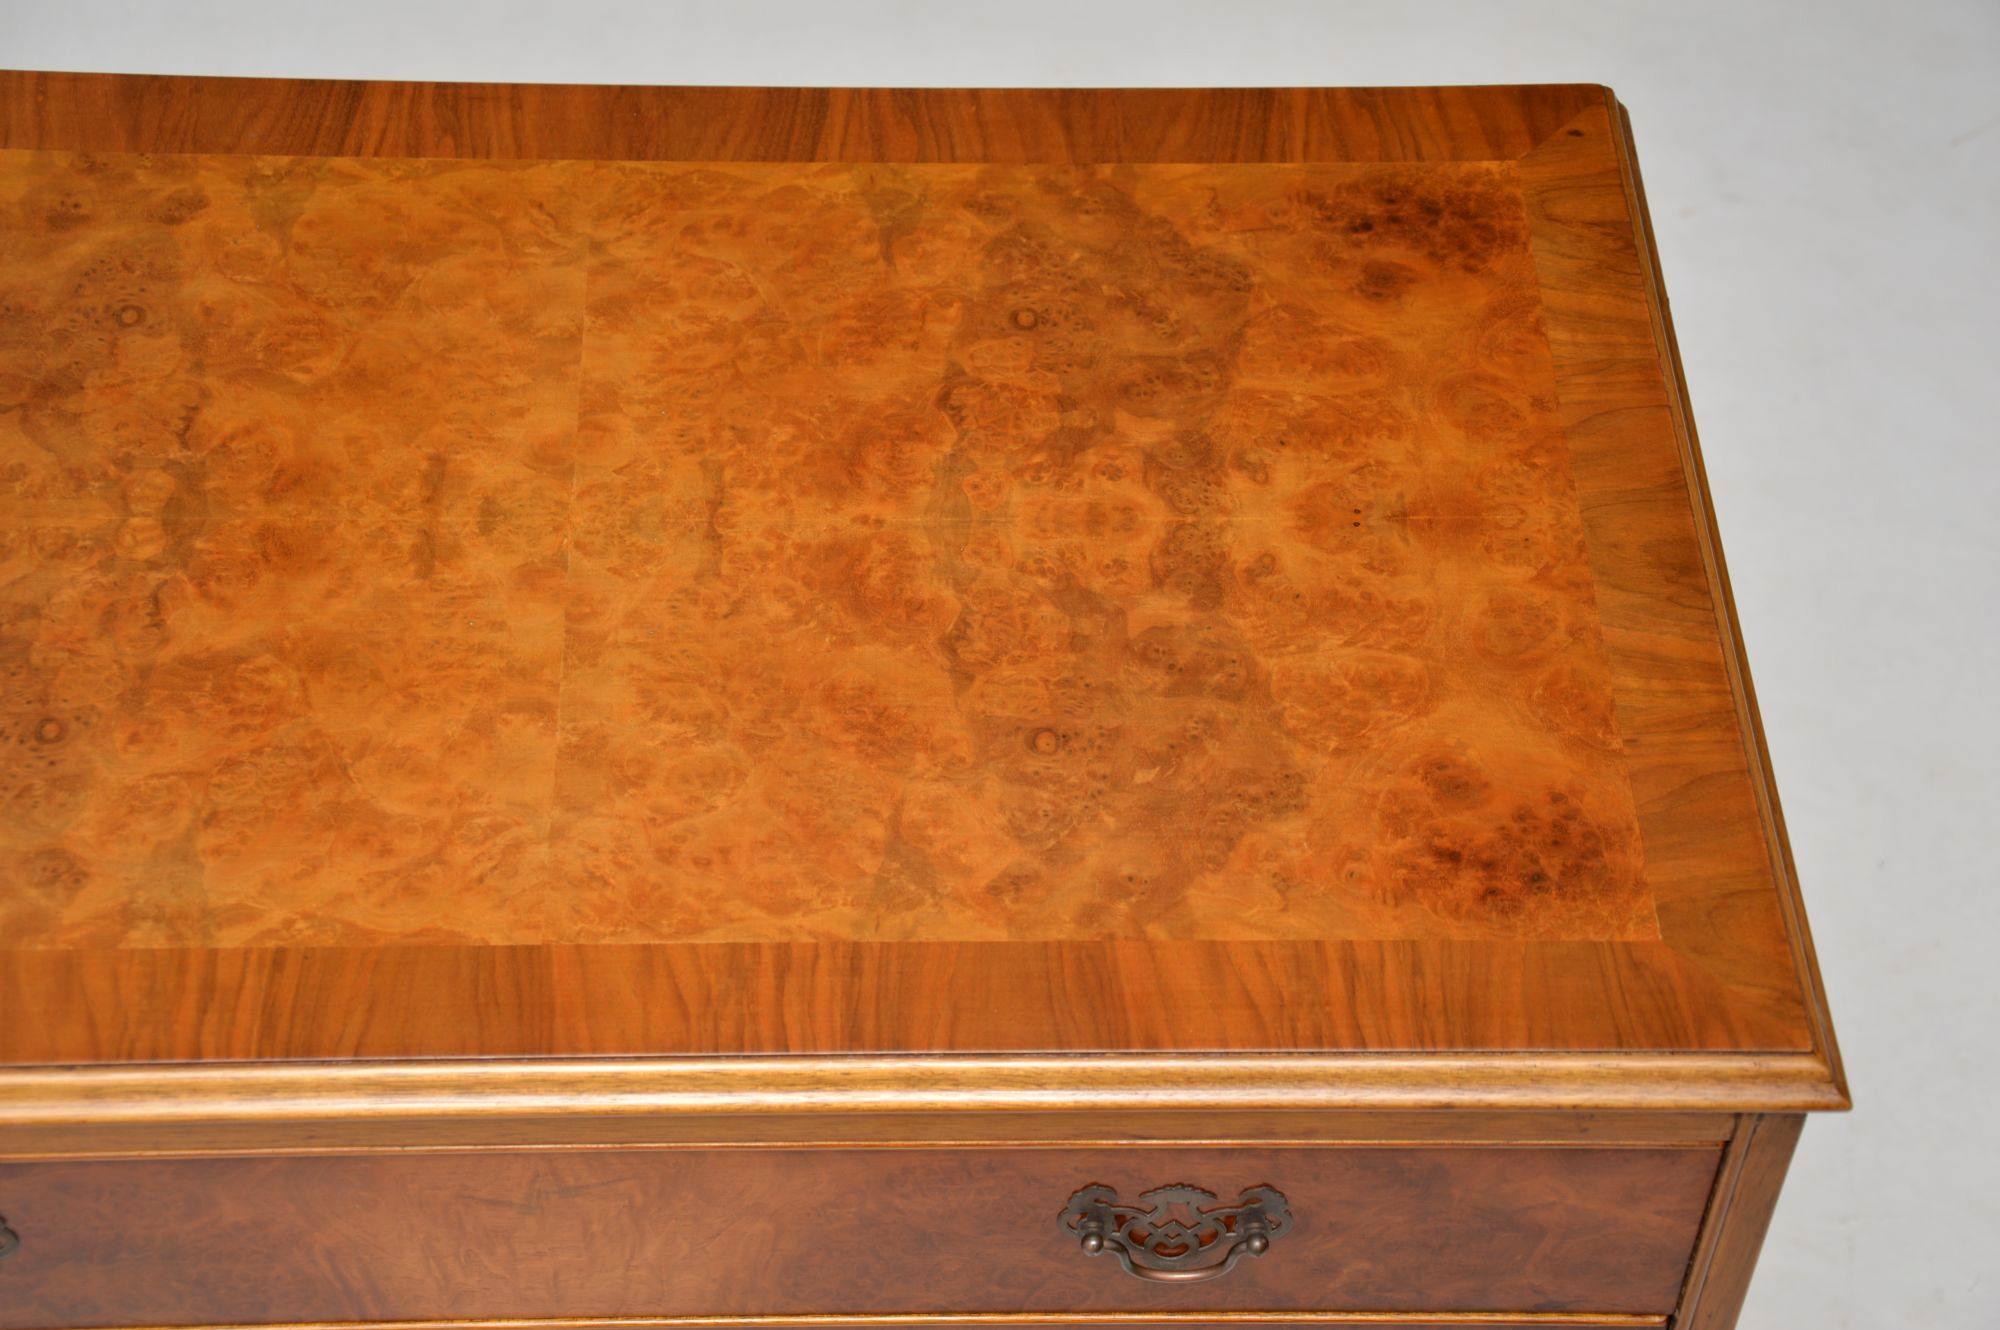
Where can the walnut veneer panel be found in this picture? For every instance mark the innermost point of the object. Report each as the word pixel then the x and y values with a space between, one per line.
pixel 660 1233
pixel 127 113
pixel 1090 571
pixel 883 552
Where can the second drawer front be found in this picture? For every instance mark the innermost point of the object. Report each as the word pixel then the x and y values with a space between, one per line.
pixel 734 1232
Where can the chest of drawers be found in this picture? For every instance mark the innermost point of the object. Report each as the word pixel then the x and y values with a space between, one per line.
pixel 644 707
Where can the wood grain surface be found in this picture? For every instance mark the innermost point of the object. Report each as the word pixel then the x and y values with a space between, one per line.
pixel 611 1233
pixel 1320 828
pixel 935 553
pixel 1003 1099
pixel 1739 1214
pixel 324 118
pixel 191 1132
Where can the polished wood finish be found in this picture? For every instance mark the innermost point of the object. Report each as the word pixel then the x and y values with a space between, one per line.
pixel 513 599
pixel 1739 1213
pixel 108 1134
pixel 1727 971
pixel 749 1232
pixel 992 1099
pixel 886 553
pixel 125 113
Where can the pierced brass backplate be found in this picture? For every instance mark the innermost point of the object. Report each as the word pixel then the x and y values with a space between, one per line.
pixel 1177 1234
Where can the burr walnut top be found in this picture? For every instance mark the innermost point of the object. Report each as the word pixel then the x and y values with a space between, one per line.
pixel 936 599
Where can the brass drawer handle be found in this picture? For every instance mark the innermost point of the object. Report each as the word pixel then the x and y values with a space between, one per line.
pixel 1177 1234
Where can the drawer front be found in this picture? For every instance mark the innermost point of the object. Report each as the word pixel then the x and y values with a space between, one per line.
pixel 764 1232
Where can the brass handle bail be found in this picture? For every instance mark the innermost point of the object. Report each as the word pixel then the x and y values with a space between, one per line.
pixel 1178 1234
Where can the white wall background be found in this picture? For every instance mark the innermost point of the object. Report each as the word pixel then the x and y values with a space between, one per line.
pixel 1825 181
